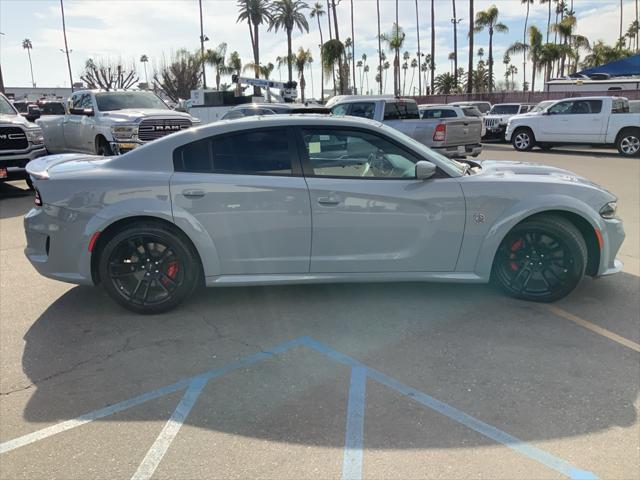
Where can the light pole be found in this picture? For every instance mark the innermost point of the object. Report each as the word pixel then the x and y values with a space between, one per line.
pixel 1 79
pixel 203 38
pixel 66 46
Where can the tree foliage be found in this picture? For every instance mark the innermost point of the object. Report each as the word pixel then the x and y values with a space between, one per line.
pixel 107 75
pixel 180 75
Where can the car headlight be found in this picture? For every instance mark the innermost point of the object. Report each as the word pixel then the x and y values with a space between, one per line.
pixel 196 121
pixel 34 135
pixel 609 210
pixel 124 132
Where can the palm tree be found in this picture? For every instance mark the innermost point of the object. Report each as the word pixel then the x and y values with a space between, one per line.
pixel 489 19
pixel 534 48
pixel 353 49
pixel 454 20
pixel 234 67
pixel 363 64
pixel 216 58
pixel 255 13
pixel 452 57
pixel 28 46
pixel 317 11
pixel 524 40
pixel 302 59
pixel 507 61
pixel 470 64
pixel 414 65
pixel 621 17
pixel 380 52
pixel 405 66
pixel 332 54
pixel 395 41
pixel 424 68
pixel 432 64
pixel 343 76
pixel 287 15
pixel 144 59
pixel 445 84
pixel 548 2
pixel 385 67
pixel 565 30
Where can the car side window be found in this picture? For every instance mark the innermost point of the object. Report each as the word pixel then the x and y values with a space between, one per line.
pixel 349 154
pixel 85 101
pixel 340 109
pixel 363 110
pixel 254 152
pixel 439 113
pixel 561 108
pixel 76 101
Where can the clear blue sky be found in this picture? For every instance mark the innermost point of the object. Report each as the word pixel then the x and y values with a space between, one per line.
pixel 125 29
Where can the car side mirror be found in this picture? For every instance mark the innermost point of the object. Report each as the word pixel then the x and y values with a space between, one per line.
pixel 81 111
pixel 33 113
pixel 425 170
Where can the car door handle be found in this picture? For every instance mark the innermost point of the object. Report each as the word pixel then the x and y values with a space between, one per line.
pixel 193 193
pixel 328 201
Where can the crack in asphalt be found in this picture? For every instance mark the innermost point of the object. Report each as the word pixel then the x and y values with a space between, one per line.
pixel 101 358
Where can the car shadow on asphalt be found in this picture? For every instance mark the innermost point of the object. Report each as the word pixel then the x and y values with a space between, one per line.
pixel 506 362
pixel 583 152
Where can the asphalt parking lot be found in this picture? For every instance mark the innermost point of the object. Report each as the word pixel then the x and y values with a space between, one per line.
pixel 325 381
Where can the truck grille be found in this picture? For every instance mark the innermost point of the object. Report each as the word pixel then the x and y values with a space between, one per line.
pixel 491 122
pixel 13 138
pixel 157 128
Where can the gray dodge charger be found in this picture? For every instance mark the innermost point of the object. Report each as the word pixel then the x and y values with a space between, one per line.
pixel 309 199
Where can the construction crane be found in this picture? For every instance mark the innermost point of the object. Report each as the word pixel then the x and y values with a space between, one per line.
pixel 288 90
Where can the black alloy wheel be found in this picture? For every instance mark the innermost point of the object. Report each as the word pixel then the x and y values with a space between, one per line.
pixel 542 259
pixel 148 269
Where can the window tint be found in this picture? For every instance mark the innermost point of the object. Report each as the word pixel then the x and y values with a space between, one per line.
pixel 577 107
pixel 439 113
pixel 257 152
pixel 76 101
pixel 401 110
pixel 52 108
pixel 340 109
pixel 86 101
pixel 471 112
pixel 345 153
pixel 231 114
pixel 364 110
pixel 504 110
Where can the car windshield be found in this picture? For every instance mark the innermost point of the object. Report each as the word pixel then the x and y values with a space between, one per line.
pixel 52 108
pixel 5 107
pixel 109 101
pixel 504 110
pixel 541 106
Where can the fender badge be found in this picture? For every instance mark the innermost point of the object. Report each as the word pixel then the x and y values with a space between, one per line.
pixel 479 217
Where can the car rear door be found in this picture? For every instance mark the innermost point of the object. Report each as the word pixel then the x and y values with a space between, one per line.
pixel 370 213
pixel 247 191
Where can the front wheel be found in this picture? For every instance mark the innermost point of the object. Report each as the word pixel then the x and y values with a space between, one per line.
pixel 103 148
pixel 523 139
pixel 148 269
pixel 542 259
pixel 628 142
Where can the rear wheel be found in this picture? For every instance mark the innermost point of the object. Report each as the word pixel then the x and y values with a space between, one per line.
pixel 628 142
pixel 523 139
pixel 148 269
pixel 542 259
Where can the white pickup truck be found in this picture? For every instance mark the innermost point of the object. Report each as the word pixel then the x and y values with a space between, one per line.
pixel 20 139
pixel 452 137
pixel 578 121
pixel 111 122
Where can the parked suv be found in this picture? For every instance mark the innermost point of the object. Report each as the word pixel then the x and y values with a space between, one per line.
pixel 496 120
pixel 20 140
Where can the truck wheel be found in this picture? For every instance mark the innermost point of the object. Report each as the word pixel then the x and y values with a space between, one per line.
pixel 628 142
pixel 523 139
pixel 542 259
pixel 103 148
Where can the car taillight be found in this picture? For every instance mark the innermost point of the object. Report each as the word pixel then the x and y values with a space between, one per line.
pixel 37 200
pixel 440 133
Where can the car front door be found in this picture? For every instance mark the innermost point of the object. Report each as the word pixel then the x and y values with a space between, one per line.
pixel 77 128
pixel 246 189
pixel 370 213
pixel 573 121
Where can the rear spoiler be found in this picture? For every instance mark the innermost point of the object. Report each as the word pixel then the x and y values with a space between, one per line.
pixel 39 168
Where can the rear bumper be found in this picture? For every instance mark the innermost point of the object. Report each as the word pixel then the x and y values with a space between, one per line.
pixel 57 245
pixel 457 151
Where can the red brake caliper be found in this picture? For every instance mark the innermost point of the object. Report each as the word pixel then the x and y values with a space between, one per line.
pixel 515 246
pixel 172 271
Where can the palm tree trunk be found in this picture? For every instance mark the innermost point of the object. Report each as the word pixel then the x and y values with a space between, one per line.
pixel 341 76
pixel 524 52
pixel 256 59
pixel 321 64
pixel 433 44
pixel 470 64
pixel 33 83
pixel 455 44
pixel 534 66
pixel 621 19
pixel 146 78
pixel 379 45
pixel 490 59
pixel 413 75
pixel 289 53
pixel 353 50
pixel 396 61
pixel 302 85
pixel 548 20
pixel 419 51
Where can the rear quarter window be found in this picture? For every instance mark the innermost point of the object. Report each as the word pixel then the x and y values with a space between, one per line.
pixel 401 111
pixel 439 113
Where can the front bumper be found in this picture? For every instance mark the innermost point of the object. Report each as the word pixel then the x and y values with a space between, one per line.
pixel 120 147
pixel 612 235
pixel 16 161
pixel 57 244
pixel 495 132
pixel 460 151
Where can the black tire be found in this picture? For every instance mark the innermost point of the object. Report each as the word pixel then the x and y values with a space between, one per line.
pixel 628 142
pixel 542 259
pixel 148 268
pixel 523 139
pixel 29 182
pixel 103 148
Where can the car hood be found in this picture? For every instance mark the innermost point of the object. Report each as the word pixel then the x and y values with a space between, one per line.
pixel 139 114
pixel 552 174
pixel 67 163
pixel 17 120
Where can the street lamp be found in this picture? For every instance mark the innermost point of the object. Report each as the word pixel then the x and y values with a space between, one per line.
pixel 203 38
